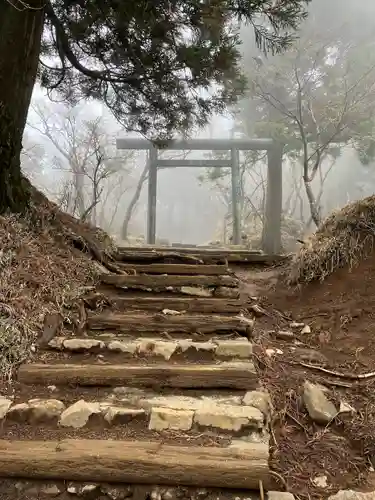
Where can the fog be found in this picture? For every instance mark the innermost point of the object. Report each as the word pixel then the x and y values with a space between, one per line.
pixel 318 98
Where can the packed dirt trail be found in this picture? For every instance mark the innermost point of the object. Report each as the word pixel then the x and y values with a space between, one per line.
pixel 153 392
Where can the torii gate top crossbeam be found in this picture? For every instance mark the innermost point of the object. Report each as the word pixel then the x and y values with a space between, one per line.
pixel 201 144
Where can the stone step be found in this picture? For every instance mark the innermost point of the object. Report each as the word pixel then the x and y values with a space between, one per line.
pixel 22 489
pixel 240 465
pixel 245 415
pixel 239 375
pixel 154 347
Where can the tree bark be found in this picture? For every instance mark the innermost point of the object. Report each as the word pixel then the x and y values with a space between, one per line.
pixel 137 462
pixel 158 376
pixel 21 33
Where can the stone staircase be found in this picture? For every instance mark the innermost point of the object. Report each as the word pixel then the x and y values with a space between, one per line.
pixel 155 393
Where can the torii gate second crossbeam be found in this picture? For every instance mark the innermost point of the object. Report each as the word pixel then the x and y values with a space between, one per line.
pixel 271 236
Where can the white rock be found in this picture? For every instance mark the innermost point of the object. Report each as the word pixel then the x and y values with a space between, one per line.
pixel 320 409
pixel 51 490
pixel 295 324
pixel 89 488
pixel 128 347
pixel 306 329
pixel 165 349
pixel 82 344
pixel 168 418
pixel 56 342
pixel 320 481
pixel 196 291
pixel 234 348
pixel 78 414
pixel 45 409
pixel 279 495
pixel 260 400
pixel 227 417
pixel 352 495
pixel 5 404
pixel 171 312
pixel 346 408
pixel 118 413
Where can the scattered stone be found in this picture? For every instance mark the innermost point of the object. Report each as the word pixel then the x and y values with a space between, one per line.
pixel 171 312
pixel 168 418
pixel 174 402
pixel 5 404
pixel 52 388
pixel 320 409
pixel 87 489
pixel 78 414
pixel 234 348
pixel 45 409
pixel 118 415
pixel 284 335
pixel 346 408
pixel 231 418
pixel 305 330
pixel 18 412
pixel 56 342
pixel 260 400
pixel 279 495
pixel 128 347
pixel 295 324
pixel 196 291
pixel 114 493
pixel 199 346
pixel 165 349
pixel 169 494
pixel 352 495
pixel 72 489
pixel 272 352
pixel 155 494
pixel 51 490
pixel 82 344
pixel 320 481
pixel 257 310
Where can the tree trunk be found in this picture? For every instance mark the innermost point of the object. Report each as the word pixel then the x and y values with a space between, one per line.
pixel 21 32
pixel 133 203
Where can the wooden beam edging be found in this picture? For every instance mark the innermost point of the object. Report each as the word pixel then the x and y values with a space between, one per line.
pixel 135 462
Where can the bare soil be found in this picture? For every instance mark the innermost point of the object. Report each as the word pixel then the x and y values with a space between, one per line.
pixel 341 314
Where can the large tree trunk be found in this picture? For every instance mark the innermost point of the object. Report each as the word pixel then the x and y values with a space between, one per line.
pixel 20 38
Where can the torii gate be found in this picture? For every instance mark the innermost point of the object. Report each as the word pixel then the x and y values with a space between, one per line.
pixel 271 236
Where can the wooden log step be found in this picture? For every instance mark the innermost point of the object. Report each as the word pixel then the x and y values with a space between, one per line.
pixel 204 256
pixel 191 250
pixel 164 281
pixel 136 462
pixel 188 304
pixel 228 375
pixel 181 323
pixel 182 269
